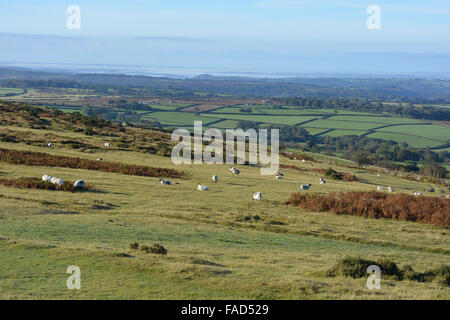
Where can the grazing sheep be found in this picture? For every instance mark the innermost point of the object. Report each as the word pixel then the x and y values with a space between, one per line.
pixel 380 188
pixel 202 187
pixel 279 177
pixel 418 193
pixel 305 187
pixel 378 175
pixel 165 182
pixel 234 171
pixel 257 196
pixel 79 184
pixel 46 178
pixel 107 144
pixel 322 181
pixel 58 181
pixel 390 189
pixel 448 196
pixel 99 160
pixel 304 161
pixel 50 145
pixel 215 178
pixel 53 180
pixel 280 174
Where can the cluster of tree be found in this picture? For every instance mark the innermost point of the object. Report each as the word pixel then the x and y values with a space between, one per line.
pixel 88 121
pixel 131 106
pixel 247 110
pixel 99 88
pixel 363 150
pixel 387 89
pixel 398 109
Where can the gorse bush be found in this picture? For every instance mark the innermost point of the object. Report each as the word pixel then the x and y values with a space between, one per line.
pixel 332 174
pixel 43 159
pixel 134 245
pixel 158 249
pixel 35 183
pixel 376 205
pixel 155 249
pixel 356 267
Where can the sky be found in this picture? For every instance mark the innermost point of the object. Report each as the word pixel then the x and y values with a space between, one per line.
pixel 231 35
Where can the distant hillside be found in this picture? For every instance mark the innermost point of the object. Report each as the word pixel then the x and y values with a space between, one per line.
pixel 438 90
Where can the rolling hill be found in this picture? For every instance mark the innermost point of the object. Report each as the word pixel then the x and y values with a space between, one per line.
pixel 220 244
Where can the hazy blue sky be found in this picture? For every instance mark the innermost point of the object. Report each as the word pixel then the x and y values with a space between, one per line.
pixel 284 35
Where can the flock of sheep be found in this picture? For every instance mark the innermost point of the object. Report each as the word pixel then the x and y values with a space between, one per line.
pixel 79 184
pixel 257 196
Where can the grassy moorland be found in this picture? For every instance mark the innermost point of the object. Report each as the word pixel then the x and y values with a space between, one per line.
pixel 220 243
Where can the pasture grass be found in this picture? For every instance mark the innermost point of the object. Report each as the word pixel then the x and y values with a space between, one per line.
pixel 258 250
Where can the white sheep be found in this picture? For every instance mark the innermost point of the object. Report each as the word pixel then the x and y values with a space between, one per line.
pixel 380 188
pixel 53 180
pixel 257 196
pixel 99 160
pixel 322 181
pixel 107 144
pixel 58 181
pixel 50 145
pixel 305 187
pixel 279 177
pixel 165 182
pixel 390 189
pixel 303 160
pixel 202 187
pixel 215 178
pixel 448 196
pixel 46 178
pixel 234 171
pixel 418 193
pixel 79 184
pixel 280 174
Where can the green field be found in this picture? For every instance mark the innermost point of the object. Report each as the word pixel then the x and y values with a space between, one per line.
pixel 415 133
pixel 5 91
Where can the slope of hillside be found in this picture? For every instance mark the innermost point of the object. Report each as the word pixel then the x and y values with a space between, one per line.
pixel 220 244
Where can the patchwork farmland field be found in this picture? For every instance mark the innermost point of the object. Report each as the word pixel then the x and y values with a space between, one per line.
pixel 330 122
pixel 10 91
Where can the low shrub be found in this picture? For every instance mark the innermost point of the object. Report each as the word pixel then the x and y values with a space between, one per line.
pixel 28 158
pixel 332 174
pixel 350 267
pixel 376 205
pixel 145 249
pixel 356 267
pixel 155 249
pixel 158 249
pixel 442 275
pixel 35 183
pixel 134 245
